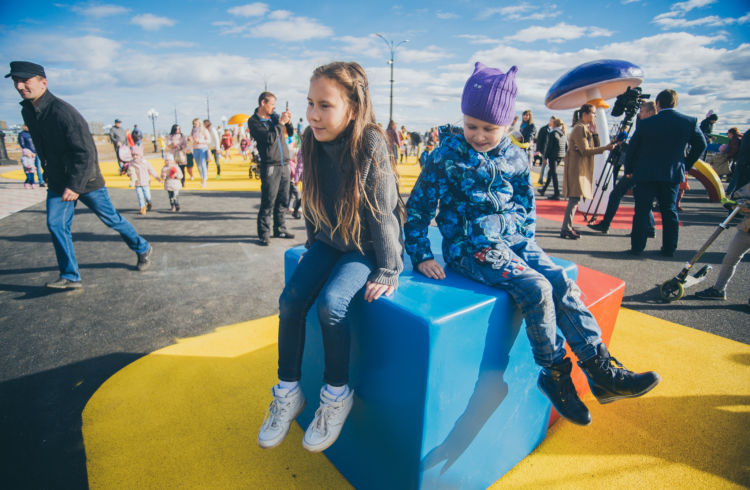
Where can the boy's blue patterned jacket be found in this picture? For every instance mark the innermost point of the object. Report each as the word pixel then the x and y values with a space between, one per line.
pixel 484 198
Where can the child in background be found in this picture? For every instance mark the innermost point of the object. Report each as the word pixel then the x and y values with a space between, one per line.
pixel 226 144
pixel 244 144
pixel 28 160
pixel 295 168
pixel 480 183
pixel 143 172
pixel 352 215
pixel 172 177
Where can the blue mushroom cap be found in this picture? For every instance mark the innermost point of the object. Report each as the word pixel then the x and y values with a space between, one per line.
pixel 610 77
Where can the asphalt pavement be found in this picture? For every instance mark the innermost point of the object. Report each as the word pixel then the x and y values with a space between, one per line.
pixel 208 271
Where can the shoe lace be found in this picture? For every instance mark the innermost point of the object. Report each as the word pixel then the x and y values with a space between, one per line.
pixel 276 411
pixel 322 414
pixel 614 367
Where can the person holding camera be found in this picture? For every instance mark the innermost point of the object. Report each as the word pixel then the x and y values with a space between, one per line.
pixel 267 129
pixel 656 159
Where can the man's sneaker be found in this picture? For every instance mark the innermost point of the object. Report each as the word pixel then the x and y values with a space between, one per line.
pixel 283 234
pixel 610 381
pixel 144 259
pixel 711 293
pixel 285 407
pixel 264 240
pixel 63 283
pixel 600 227
pixel 555 383
pixel 329 419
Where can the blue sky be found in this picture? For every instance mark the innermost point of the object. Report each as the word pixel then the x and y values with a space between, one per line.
pixel 119 60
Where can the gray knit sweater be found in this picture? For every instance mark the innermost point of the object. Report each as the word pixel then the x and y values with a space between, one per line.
pixel 381 236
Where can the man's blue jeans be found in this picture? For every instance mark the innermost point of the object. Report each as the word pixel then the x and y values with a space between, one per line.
pixel 544 294
pixel 39 176
pixel 333 278
pixel 60 217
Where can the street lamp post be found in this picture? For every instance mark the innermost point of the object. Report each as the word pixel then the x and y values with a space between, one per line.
pixel 392 48
pixel 152 114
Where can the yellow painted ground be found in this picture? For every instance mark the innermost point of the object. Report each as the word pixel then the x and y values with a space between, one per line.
pixel 187 416
pixel 234 175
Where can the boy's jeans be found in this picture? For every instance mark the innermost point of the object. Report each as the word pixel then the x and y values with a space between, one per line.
pixel 60 217
pixel 334 278
pixel 144 195
pixel 545 296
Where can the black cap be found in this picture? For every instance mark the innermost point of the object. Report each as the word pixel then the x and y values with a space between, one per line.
pixel 117 121
pixel 25 69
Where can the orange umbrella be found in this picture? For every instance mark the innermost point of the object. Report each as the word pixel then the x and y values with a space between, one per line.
pixel 238 119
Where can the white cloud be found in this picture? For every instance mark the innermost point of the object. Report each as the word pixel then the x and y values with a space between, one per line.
pixel 447 15
pixel 175 44
pixel 279 14
pixel 558 33
pixel 429 54
pixel 370 46
pixel 249 10
pixel 690 5
pixel 522 11
pixel 675 17
pixel 291 29
pixel 99 11
pixel 151 22
pixel 478 39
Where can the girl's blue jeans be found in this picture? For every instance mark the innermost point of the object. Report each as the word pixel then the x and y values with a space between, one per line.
pixel 144 195
pixel 546 297
pixel 201 158
pixel 60 217
pixel 333 278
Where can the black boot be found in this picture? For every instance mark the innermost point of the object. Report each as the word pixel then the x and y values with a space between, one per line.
pixel 555 383
pixel 609 380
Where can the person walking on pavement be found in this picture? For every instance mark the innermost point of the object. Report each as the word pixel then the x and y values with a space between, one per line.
pixel 623 185
pixel 267 129
pixel 118 136
pixel 656 160
pixel 70 161
pixel 555 147
pixel 25 142
pixel 213 145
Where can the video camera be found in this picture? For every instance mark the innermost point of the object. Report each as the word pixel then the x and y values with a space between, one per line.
pixel 629 102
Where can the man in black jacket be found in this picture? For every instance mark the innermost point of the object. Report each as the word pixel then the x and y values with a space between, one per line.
pixel 267 129
pixel 71 169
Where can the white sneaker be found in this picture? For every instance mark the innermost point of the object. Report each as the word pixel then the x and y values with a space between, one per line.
pixel 284 408
pixel 329 420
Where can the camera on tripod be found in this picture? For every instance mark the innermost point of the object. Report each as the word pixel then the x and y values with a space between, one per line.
pixel 629 102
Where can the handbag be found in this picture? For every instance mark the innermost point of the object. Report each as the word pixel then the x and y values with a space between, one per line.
pixel 180 156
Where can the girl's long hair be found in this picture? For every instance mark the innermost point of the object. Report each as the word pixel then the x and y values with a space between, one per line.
pixel 174 129
pixel 559 124
pixel 352 81
pixel 585 109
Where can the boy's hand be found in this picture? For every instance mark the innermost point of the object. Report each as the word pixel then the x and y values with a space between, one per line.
pixel 374 290
pixel 431 269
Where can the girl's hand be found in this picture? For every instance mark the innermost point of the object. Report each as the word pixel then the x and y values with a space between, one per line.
pixel 374 290
pixel 431 269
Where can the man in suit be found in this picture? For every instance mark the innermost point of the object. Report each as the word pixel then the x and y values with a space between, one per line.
pixel 656 159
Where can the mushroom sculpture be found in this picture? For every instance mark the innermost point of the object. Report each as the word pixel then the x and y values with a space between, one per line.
pixel 593 83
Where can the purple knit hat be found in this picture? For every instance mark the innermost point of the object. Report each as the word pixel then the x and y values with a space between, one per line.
pixel 490 95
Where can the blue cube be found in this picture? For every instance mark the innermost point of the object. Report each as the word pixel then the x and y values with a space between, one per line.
pixel 444 381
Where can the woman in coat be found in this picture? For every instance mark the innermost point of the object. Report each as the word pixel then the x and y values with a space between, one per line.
pixel 583 144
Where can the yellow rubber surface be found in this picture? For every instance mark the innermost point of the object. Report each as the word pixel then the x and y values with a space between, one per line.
pixel 234 175
pixel 187 416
